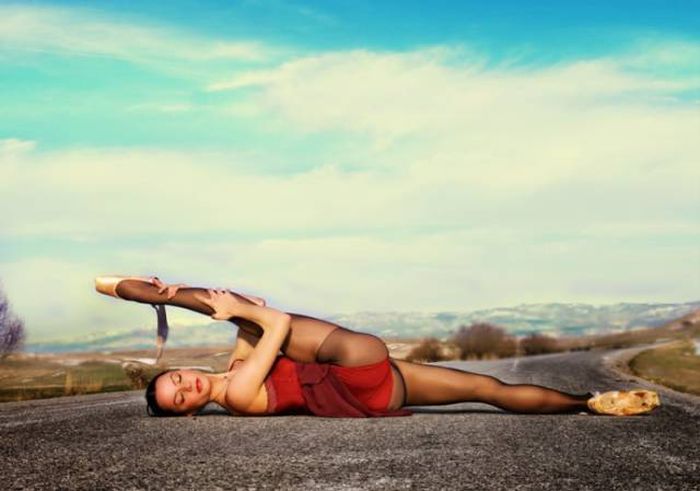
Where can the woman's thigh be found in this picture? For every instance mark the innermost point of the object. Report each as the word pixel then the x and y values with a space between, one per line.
pixel 316 340
pixel 306 335
pixel 349 348
pixel 433 384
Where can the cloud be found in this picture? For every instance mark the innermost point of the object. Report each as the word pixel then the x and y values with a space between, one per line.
pixel 463 269
pixel 76 32
pixel 675 57
pixel 426 139
pixel 438 182
pixel 324 241
pixel 509 128
pixel 12 147
pixel 162 107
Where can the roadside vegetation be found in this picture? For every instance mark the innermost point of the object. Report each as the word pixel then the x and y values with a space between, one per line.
pixel 485 341
pixel 30 376
pixel 676 365
pixel 37 376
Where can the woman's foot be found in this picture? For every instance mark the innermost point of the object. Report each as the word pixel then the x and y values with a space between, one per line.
pixel 624 403
pixel 107 285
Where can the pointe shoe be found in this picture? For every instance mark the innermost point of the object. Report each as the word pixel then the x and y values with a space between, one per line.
pixel 623 402
pixel 108 284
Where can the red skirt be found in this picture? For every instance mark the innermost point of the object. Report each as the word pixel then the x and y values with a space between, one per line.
pixel 331 390
pixel 370 384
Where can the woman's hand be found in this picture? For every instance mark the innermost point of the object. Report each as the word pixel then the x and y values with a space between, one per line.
pixel 171 289
pixel 223 302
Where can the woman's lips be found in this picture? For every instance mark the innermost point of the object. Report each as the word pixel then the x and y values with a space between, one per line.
pixel 199 385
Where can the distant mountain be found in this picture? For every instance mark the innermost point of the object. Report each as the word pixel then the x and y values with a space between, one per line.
pixel 561 319
pixel 211 334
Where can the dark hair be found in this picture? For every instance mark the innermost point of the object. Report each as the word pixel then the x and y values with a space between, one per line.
pixel 152 407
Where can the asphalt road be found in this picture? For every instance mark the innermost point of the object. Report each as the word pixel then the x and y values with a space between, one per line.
pixel 107 441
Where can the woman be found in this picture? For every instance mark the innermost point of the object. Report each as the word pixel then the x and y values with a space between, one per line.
pixel 326 369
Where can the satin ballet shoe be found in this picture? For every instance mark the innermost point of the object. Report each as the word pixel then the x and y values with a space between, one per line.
pixel 108 284
pixel 624 402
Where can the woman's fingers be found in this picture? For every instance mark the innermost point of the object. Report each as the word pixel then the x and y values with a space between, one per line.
pixel 173 289
pixel 157 282
pixel 215 301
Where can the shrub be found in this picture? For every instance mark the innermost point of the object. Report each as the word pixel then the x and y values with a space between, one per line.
pixel 482 340
pixel 430 349
pixel 537 344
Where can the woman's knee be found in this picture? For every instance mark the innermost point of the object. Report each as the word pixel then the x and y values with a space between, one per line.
pixel 377 347
pixel 361 349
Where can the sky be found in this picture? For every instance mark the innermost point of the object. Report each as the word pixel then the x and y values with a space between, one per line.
pixel 344 156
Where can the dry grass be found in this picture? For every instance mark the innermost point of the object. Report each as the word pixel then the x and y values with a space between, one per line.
pixel 685 327
pixel 675 365
pixel 36 376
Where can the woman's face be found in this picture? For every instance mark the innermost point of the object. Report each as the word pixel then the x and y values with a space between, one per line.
pixel 183 391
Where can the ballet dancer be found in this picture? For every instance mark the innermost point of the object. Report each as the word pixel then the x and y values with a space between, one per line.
pixel 326 369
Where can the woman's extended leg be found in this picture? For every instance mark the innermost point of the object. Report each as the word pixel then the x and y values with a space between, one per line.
pixel 310 339
pixel 435 385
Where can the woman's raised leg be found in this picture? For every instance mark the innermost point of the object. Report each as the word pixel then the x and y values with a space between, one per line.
pixel 310 339
pixel 436 385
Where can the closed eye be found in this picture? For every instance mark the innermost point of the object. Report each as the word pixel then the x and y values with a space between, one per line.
pixel 176 379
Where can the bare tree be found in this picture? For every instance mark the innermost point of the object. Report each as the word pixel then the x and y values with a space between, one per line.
pixel 11 329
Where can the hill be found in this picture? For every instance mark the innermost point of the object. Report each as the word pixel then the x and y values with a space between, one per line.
pixel 559 319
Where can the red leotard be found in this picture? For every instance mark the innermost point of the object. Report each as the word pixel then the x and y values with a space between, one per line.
pixel 370 384
pixel 283 387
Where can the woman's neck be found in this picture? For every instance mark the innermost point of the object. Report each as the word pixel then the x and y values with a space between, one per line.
pixel 219 382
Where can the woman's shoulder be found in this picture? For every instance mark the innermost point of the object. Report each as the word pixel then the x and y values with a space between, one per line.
pixel 257 407
pixel 260 402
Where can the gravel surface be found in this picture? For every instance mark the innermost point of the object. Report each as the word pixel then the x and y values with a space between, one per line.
pixel 106 441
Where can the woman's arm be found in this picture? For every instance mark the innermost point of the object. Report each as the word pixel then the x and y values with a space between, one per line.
pixel 245 343
pixel 247 381
pixel 250 376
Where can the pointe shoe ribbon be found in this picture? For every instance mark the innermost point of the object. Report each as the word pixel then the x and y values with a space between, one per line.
pixel 624 402
pixel 162 329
